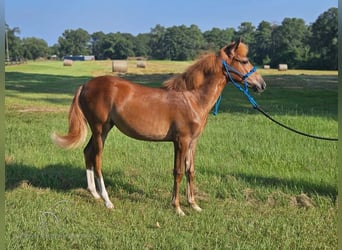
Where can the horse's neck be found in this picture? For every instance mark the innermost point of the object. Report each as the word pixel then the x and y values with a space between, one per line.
pixel 209 92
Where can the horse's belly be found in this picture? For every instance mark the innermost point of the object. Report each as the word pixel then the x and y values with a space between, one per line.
pixel 147 114
pixel 145 128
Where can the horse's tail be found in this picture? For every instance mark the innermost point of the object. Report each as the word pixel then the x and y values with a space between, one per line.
pixel 77 126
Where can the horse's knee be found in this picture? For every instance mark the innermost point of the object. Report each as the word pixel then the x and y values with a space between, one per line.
pixel 178 174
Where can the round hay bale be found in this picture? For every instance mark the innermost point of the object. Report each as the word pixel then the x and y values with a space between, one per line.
pixel 267 66
pixel 67 62
pixel 141 64
pixel 282 67
pixel 119 66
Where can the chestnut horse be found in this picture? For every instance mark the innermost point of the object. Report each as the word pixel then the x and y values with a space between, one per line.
pixel 176 112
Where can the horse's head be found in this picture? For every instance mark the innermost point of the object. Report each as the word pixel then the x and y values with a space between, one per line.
pixel 235 55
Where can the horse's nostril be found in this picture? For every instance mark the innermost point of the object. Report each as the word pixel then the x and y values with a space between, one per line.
pixel 263 86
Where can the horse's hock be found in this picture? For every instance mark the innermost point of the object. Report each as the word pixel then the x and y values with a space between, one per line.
pixel 119 66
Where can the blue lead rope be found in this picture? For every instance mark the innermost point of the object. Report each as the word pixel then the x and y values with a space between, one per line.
pixel 217 105
pixel 229 69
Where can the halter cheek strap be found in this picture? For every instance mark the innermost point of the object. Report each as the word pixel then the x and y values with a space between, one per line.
pixel 244 77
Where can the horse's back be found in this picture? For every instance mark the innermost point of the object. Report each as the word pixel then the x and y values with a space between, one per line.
pixel 104 85
pixel 111 85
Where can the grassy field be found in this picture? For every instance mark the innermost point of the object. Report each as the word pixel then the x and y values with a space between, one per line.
pixel 260 186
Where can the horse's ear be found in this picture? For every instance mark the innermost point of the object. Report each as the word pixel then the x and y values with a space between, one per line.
pixel 237 43
pixel 230 49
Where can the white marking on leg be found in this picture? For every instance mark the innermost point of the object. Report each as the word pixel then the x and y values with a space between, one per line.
pixel 196 207
pixel 188 192
pixel 91 183
pixel 179 211
pixel 191 200
pixel 103 192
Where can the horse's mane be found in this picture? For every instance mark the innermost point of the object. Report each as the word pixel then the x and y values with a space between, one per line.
pixel 194 76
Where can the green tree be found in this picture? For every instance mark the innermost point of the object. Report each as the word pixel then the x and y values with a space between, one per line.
pixel 217 38
pixel 112 45
pixel 108 44
pixel 123 46
pixel 97 39
pixel 246 31
pixel 156 42
pixel 15 50
pixel 176 42
pixel 196 41
pixel 34 48
pixel 262 43
pixel 324 40
pixel 74 42
pixel 54 50
pixel 290 43
pixel 181 42
pixel 141 45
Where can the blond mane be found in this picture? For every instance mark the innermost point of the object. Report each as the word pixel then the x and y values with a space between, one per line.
pixel 194 76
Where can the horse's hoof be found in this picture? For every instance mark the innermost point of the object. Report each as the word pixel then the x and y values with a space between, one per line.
pixel 196 207
pixel 109 205
pixel 179 211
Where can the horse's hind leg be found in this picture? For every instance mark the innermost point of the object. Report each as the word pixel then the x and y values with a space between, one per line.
pixel 89 160
pixel 93 156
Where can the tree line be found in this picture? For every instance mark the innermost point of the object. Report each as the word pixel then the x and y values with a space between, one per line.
pixel 312 46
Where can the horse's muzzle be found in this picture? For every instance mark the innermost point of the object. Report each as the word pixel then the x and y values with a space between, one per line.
pixel 260 86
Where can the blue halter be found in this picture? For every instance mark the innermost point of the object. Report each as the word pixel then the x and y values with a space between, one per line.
pixel 228 70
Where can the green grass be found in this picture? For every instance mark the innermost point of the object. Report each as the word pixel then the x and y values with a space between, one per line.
pixel 260 186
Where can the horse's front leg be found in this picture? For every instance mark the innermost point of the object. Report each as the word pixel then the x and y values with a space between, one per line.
pixel 190 175
pixel 180 152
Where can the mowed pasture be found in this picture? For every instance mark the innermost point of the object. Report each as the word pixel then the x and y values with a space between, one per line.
pixel 260 186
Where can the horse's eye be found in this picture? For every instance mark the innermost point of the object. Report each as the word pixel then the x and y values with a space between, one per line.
pixel 242 61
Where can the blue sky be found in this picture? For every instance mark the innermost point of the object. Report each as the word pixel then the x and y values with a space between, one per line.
pixel 48 19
